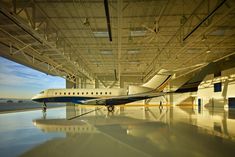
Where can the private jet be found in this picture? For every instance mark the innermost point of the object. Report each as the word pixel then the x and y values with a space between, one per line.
pixel 107 96
pixel 153 88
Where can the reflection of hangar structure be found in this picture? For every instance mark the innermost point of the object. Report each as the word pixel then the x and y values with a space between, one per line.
pixel 115 43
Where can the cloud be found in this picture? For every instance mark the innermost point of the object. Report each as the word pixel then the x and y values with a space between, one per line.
pixel 11 80
pixel 22 78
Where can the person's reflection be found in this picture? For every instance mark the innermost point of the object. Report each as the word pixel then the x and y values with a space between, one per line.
pixel 146 114
pixel 44 114
pixel 199 108
pixel 160 107
pixel 109 114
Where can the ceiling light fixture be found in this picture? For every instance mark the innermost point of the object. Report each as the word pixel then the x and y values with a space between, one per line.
pixel 101 34
pixel 138 32
pixel 133 51
pixel 106 52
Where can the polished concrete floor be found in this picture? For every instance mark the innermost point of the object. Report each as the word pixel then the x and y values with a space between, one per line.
pixel 129 131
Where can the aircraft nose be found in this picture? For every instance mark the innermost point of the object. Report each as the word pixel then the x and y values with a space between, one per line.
pixel 34 98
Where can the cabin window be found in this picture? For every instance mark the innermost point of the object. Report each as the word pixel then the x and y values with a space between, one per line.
pixel 110 93
pixel 69 93
pixel 96 93
pixel 77 93
pixel 60 93
pixel 86 93
pixel 64 93
pixel 106 93
pixel 55 93
pixel 82 93
pixel 91 93
pixel 100 93
pixel 73 93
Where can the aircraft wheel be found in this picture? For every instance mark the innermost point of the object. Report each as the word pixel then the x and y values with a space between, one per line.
pixel 110 108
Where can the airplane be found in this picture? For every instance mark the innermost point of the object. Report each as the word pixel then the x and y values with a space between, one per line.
pixel 107 96
pixel 153 88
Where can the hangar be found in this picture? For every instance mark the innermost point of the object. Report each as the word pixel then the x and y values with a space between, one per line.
pixel 117 43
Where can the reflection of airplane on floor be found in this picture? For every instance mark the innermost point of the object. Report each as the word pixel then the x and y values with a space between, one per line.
pixel 108 97
pixel 117 135
pixel 86 125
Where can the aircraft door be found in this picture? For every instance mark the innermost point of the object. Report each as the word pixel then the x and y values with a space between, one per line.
pixel 49 93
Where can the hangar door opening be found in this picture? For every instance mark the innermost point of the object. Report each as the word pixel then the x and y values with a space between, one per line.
pixel 231 102
pixel 199 102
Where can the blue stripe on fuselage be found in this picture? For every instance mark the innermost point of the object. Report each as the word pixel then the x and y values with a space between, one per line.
pixel 78 100
pixel 64 99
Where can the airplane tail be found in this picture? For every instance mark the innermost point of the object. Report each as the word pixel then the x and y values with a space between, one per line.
pixel 157 83
pixel 159 80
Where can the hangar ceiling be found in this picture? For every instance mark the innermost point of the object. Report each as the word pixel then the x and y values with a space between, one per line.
pixel 70 38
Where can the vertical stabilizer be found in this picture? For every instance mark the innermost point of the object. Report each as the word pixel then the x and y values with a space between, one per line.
pixel 159 80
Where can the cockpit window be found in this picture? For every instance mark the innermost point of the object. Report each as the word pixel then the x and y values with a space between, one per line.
pixel 41 92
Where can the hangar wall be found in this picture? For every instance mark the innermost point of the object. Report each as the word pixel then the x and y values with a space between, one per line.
pixel 182 98
pixel 217 99
pixel 206 93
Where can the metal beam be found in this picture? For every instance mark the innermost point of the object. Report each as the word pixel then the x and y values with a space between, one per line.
pixel 119 32
pixel 168 53
pixel 204 19
pixel 106 6
pixel 43 41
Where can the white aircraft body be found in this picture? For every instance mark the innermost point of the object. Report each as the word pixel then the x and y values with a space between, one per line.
pixel 107 96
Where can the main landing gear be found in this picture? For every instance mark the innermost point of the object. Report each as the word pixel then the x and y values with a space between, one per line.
pixel 44 107
pixel 110 108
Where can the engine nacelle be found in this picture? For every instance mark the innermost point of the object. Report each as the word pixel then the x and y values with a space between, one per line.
pixel 138 89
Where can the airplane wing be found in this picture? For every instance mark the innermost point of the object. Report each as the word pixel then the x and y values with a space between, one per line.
pixel 118 100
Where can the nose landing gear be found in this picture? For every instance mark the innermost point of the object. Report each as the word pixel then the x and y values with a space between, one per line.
pixel 110 108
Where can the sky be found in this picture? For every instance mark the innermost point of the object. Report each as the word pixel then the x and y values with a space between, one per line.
pixel 19 81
